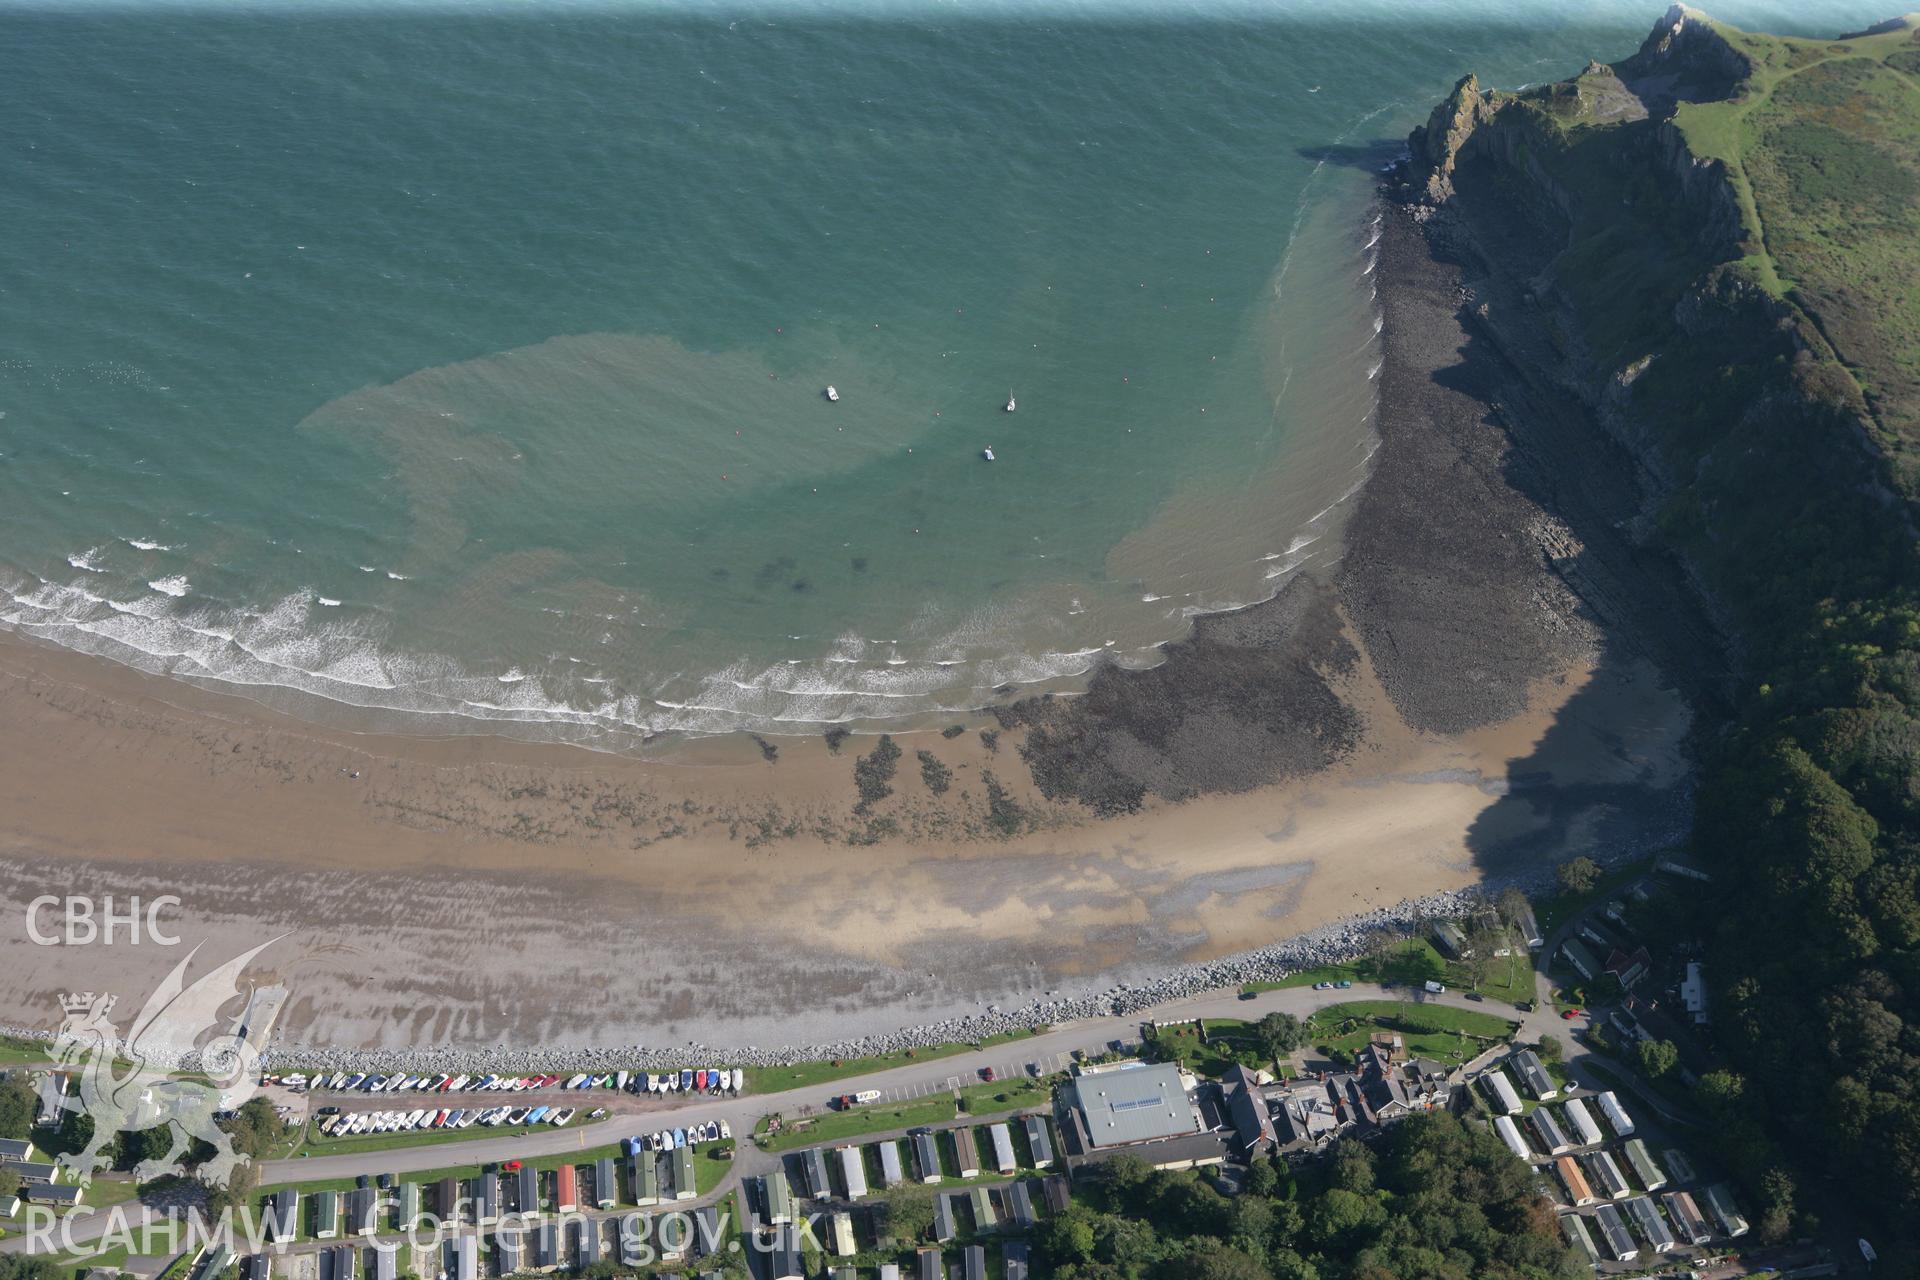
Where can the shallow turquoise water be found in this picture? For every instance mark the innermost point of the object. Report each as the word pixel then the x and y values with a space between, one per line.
pixel 468 366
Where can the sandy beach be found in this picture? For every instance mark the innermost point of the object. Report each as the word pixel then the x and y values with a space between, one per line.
pixel 1443 706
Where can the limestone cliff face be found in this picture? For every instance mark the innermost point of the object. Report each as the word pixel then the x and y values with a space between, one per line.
pixel 1437 145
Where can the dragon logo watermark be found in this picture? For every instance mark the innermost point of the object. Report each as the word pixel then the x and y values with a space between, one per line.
pixel 177 1017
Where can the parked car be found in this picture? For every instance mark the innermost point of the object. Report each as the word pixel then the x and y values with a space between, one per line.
pixel 1323 986
pixel 1569 1014
pixel 986 1073
pixel 1342 985
pixel 1475 996
pixel 1436 988
pixel 1524 1006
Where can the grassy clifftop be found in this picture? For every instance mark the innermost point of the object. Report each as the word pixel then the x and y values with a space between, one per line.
pixel 1714 247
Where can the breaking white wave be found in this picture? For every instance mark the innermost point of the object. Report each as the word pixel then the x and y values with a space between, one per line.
pixel 173 585
pixel 146 544
pixel 85 560
pixel 327 602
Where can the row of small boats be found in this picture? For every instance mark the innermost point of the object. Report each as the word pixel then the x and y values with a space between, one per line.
pixel 425 1118
pixel 686 1080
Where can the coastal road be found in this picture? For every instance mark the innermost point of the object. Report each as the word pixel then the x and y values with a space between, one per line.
pixel 1052 1049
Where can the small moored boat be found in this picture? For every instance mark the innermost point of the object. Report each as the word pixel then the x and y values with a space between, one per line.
pixel 987 453
pixel 832 394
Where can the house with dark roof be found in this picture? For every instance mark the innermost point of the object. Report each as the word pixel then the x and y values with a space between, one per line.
pixel 1247 1108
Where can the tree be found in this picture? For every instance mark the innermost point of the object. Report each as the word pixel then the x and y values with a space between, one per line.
pixel 1350 1167
pixel 1280 1034
pixel 239 1193
pixel 1550 1049
pixel 1656 1057
pixel 1512 906
pixel 1578 875
pixel 1067 1238
pixel 9 1185
pixel 256 1127
pixel 18 1104
pixel 1215 1261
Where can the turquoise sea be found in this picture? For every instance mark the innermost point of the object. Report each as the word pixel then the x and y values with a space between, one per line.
pixel 463 367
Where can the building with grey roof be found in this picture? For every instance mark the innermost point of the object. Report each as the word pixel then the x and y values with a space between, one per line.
pixel 1653 1228
pixel 931 1265
pixel 510 1249
pixel 1613 1230
pixel 1014 1254
pixel 1585 1131
pixel 943 1228
pixel 1039 1141
pixel 683 1179
pixel 966 1152
pixel 605 1193
pixel 1506 1099
pixel 814 1165
pixel 1510 1134
pixel 1533 1075
pixel 1020 1204
pixel 778 1197
pixel 386 1261
pixel 1553 1140
pixel 486 1198
pixel 926 1153
pixel 853 1172
pixel 283 1218
pixel 1002 1139
pixel 891 1175
pixel 1130 1106
pixel 973 1263
pixel 546 1245
pixel 1604 1175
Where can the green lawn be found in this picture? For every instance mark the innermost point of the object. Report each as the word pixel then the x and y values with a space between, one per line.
pixel 802 1074
pixel 934 1109
pixel 1227 1042
pixel 316 1145
pixel 1431 1031
pixel 1414 961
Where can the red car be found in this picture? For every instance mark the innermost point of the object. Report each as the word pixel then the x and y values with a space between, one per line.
pixel 986 1073
pixel 1569 1014
pixel 511 1165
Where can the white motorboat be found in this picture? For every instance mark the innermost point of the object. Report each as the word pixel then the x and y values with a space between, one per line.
pixel 987 453
pixel 1011 404
pixel 833 394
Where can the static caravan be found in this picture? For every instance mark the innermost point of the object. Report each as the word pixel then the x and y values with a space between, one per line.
pixel 784 1262
pixel 326 1214
pixel 706 1231
pixel 889 1271
pixel 529 1189
pixel 336 1264
pixel 813 1163
pixel 1040 1140
pixel 605 1193
pixel 943 1228
pixel 1002 1137
pixel 633 1240
pixel 891 1174
pixel 1579 1237
pixel 566 1189
pixel 1613 1229
pixel 463 1258
pixel 258 1266
pixel 779 1198
pixel 1533 1075
pixel 840 1235
pixel 1547 1129
pixel 1585 1132
pixel 1506 1099
pixel 1675 1162
pixel 1720 1204
pixel 586 1243
pixel 1020 1204
pixel 1510 1134
pixel 646 1178
pixel 447 1201
pixel 510 1249
pixel 853 1172
pixel 1653 1228
pixel 984 1218
pixel 926 1153
pixel 406 1205
pixel 1605 1176
pixel 683 1188
pixel 362 1205
pixel 486 1198
pixel 973 1263
pixel 932 1265
pixel 1640 1160
pixel 1579 1194
pixel 386 1261
pixel 284 1222
pixel 1015 1256
pixel 966 1152
pixel 546 1246
pixel 1688 1221
pixel 1616 1114
pixel 1059 1195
